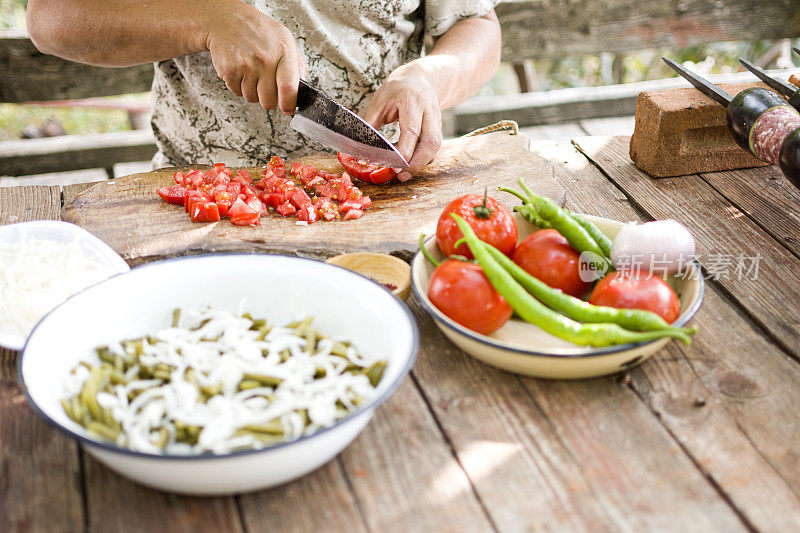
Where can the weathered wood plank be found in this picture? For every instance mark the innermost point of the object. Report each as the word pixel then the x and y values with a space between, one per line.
pixel 29 75
pixel 21 204
pixel 397 468
pixel 723 234
pixel 115 504
pixel 724 396
pixel 608 126
pixel 75 152
pixel 555 132
pixel 384 481
pixel 579 456
pixel 572 105
pixel 40 480
pixel 767 197
pixel 557 28
pixel 320 501
pixel 117 209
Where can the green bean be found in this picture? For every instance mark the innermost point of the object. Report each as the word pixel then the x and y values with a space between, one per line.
pixel 374 372
pixel 249 384
pixel 533 311
pixel 176 317
pixel 340 349
pixel 258 324
pixel 575 308
pixel 103 431
pixel 262 332
pixel 162 438
pixel 267 381
pixel 273 427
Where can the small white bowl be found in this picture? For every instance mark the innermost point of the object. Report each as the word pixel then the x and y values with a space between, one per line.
pixel 278 288
pixel 526 349
pixel 61 232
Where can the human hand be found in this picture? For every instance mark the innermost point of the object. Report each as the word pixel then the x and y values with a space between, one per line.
pixel 256 56
pixel 408 96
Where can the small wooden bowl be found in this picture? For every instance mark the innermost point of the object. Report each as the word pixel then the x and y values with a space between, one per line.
pixel 383 268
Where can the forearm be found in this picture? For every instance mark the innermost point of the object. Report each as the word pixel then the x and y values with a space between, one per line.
pixel 119 33
pixel 463 59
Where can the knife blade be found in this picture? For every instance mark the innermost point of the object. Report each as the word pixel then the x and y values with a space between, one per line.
pixel 783 87
pixel 330 123
pixel 700 83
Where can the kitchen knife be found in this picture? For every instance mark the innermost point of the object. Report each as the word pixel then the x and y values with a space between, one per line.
pixel 329 123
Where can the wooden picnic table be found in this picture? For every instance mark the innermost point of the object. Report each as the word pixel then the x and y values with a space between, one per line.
pixel 698 438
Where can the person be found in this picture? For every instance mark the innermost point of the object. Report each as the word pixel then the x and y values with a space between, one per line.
pixel 219 62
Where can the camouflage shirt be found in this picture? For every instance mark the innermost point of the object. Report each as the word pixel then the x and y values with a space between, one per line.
pixel 349 46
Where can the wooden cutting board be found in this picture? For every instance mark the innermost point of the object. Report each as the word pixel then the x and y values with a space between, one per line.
pixel 129 216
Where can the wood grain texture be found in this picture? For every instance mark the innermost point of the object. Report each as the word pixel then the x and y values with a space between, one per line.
pixel 767 197
pixel 384 481
pixel 24 203
pixel 722 397
pixel 404 474
pixel 75 152
pixel 573 104
pixel 557 28
pixel 40 480
pixel 115 504
pixel 29 75
pixel 320 501
pixel 722 234
pixel 563 456
pixel 128 215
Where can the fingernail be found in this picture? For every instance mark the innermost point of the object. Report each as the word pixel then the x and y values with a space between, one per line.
pixel 404 176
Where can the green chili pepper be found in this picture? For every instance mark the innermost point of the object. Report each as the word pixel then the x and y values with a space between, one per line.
pixel 427 253
pixel 600 238
pixel 533 311
pixel 577 309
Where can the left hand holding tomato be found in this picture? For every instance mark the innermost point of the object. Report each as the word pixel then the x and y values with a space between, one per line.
pixel 409 96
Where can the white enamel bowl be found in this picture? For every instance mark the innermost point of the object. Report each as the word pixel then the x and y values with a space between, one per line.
pixel 60 232
pixel 524 348
pixel 279 288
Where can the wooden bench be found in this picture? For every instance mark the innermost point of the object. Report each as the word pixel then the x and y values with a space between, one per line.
pixel 531 29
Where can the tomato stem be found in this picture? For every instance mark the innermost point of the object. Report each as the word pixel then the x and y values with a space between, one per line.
pixel 483 211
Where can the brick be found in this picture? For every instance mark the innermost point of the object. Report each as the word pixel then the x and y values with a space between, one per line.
pixel 682 131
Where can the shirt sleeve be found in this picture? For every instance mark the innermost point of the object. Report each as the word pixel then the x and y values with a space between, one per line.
pixel 440 15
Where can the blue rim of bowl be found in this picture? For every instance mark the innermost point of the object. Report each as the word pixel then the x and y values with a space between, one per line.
pixel 374 404
pixel 440 318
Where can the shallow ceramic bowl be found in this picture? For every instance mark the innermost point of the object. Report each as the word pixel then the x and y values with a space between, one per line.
pixel 524 348
pixel 279 288
pixel 383 268
pixel 61 232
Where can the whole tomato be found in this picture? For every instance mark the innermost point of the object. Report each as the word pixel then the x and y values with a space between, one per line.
pixel 461 291
pixel 637 290
pixel 491 220
pixel 548 256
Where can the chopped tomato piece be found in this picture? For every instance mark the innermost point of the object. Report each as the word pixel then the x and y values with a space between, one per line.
pixel 366 171
pixel 277 166
pixel 327 189
pixel 178 177
pixel 353 214
pixel 257 205
pixel 204 212
pixel 234 188
pixel 308 214
pixel 190 195
pixel 175 194
pixel 247 219
pixel 326 208
pixel 300 199
pixel 295 167
pixel 240 207
pixel 286 209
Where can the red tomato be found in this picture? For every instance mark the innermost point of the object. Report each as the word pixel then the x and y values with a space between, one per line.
pixel 547 256
pixel 365 171
pixel 239 207
pixel 247 219
pixel 204 211
pixel 461 291
pixel 175 194
pixel 491 220
pixel 637 290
